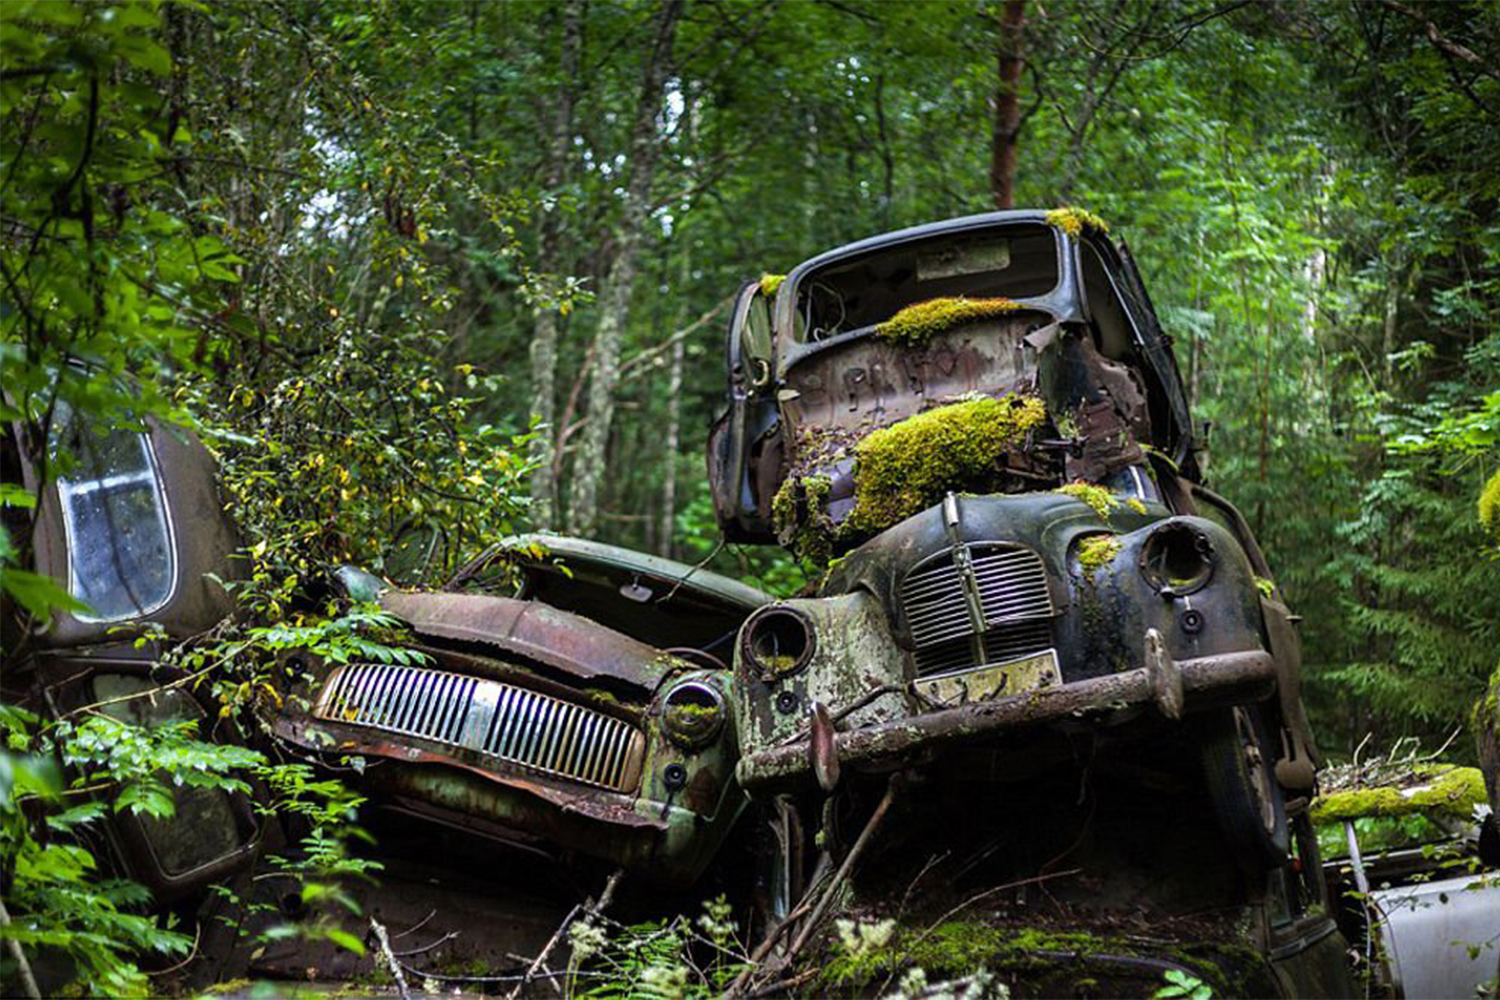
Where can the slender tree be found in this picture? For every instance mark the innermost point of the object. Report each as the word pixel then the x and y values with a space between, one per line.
pixel 619 281
pixel 543 351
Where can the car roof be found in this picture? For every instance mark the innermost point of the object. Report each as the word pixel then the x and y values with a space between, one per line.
pixel 615 557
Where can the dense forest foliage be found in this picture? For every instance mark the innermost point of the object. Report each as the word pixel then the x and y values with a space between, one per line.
pixel 463 268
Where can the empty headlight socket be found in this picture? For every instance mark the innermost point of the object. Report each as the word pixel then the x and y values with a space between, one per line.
pixel 777 640
pixel 1177 559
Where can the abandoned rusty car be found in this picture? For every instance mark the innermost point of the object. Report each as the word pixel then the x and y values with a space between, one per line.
pixel 1031 600
pixel 575 698
pixel 135 530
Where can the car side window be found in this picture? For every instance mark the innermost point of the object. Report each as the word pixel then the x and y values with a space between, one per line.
pixel 119 535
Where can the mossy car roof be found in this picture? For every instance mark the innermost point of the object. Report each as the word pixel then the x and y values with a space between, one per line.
pixel 613 558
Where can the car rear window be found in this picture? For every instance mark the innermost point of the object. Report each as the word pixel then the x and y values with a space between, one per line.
pixel 1016 262
pixel 119 535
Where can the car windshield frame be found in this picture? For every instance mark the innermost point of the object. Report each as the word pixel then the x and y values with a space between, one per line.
pixel 807 276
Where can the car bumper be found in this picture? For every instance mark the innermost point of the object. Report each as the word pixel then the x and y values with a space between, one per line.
pixel 663 839
pixel 1173 686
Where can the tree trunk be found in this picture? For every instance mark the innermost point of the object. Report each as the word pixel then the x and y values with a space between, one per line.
pixel 669 468
pixel 543 349
pixel 614 295
pixel 1007 124
pixel 1391 326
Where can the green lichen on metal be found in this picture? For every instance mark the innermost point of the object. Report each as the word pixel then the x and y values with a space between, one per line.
pixel 1096 552
pixel 1443 790
pixel 909 466
pixel 770 284
pixel 1074 221
pixel 915 325
pixel 1097 497
pixel 1136 505
pixel 1489 508
pixel 799 515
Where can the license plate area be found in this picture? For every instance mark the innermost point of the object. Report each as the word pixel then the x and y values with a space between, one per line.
pixel 1034 672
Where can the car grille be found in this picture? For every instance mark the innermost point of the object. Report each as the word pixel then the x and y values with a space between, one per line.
pixel 510 724
pixel 1011 588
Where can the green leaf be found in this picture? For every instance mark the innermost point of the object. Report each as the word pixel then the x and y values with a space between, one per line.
pixel 344 939
pixel 15 495
pixel 39 595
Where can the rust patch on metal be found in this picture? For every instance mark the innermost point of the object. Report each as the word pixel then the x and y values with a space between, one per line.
pixel 546 635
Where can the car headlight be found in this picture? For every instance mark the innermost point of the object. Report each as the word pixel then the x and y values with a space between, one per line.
pixel 777 640
pixel 1177 559
pixel 692 713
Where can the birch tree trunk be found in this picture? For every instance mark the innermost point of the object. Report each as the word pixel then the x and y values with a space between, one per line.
pixel 543 349
pixel 614 295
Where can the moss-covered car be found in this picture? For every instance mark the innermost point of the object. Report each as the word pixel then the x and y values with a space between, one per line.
pixel 979 428
pixel 572 697
pixel 1413 855
pixel 134 528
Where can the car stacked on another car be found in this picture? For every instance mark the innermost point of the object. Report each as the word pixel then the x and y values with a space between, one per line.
pixel 979 426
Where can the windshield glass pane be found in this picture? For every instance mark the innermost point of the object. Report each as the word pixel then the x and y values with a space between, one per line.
pixel 1019 262
pixel 120 559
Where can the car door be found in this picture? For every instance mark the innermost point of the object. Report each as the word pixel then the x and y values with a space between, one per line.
pixel 744 439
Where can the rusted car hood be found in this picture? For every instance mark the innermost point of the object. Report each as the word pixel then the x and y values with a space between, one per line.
pixel 535 631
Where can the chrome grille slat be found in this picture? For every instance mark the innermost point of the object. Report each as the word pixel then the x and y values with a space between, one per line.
pixel 511 724
pixel 1011 583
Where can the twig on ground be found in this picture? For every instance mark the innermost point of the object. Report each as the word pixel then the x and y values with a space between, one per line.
pixel 390 958
pixel 589 908
pixel 426 948
pixel 416 926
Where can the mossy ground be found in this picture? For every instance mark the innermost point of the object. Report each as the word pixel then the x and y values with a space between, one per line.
pixel 903 469
pixel 1074 221
pixel 1444 790
pixel 1033 958
pixel 915 325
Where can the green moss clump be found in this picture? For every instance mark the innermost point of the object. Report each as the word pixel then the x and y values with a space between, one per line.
pixel 1097 497
pixel 1266 587
pixel 770 284
pixel 1097 551
pixel 799 516
pixel 1489 508
pixel 1446 791
pixel 1074 221
pixel 907 467
pixel 1136 505
pixel 917 324
pixel 958 947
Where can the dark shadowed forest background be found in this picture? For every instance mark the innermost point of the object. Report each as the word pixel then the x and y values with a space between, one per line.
pixel 465 267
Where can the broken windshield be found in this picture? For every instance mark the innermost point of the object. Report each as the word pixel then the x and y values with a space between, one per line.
pixel 1018 262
